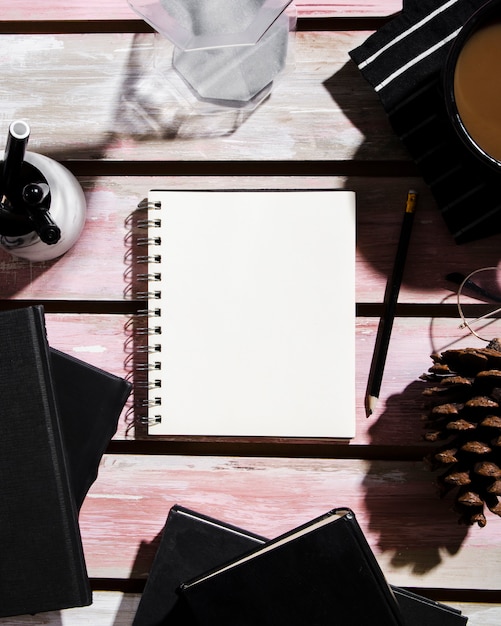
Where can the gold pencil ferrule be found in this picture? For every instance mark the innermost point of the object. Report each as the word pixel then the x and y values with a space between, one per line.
pixel 411 202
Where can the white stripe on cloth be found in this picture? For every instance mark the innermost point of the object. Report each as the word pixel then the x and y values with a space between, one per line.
pixel 417 59
pixel 407 32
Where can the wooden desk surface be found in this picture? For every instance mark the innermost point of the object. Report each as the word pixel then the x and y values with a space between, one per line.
pixel 67 68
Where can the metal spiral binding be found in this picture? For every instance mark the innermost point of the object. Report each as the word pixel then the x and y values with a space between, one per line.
pixel 149 349
pixel 156 276
pixel 148 385
pixel 155 223
pixel 151 402
pixel 148 313
pixel 148 368
pixel 149 295
pixel 156 330
pixel 150 421
pixel 149 258
pixel 149 241
pixel 147 204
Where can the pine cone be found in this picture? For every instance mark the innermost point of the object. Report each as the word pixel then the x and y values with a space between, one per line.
pixel 463 403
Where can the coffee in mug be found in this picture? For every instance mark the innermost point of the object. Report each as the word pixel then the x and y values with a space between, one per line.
pixel 477 87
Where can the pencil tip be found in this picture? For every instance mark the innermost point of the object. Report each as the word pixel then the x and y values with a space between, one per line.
pixel 370 405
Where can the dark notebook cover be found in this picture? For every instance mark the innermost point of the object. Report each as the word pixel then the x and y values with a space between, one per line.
pixel 321 574
pixel 90 402
pixel 42 565
pixel 419 611
pixel 193 543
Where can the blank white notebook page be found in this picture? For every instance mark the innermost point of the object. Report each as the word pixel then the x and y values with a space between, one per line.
pixel 255 327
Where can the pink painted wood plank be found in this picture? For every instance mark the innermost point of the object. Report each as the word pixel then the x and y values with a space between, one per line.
pixel 97 339
pixel 106 341
pixel 414 535
pixel 101 264
pixel 100 340
pixel 432 252
pixel 120 9
pixel 396 420
pixel 349 9
pixel 94 269
pixel 100 267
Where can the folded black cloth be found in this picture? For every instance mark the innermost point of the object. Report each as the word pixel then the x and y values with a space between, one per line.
pixel 404 61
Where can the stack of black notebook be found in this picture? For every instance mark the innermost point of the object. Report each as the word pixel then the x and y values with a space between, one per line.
pixel 323 573
pixel 57 415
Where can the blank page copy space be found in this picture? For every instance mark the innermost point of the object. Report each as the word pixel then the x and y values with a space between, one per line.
pixel 257 313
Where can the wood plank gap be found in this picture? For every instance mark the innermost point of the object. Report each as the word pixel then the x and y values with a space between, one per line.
pixel 132 307
pixel 411 309
pixel 330 23
pixel 445 595
pixel 426 310
pixel 82 26
pixel 123 585
pixel 90 307
pixel 478 596
pixel 73 27
pixel 393 169
pixel 266 448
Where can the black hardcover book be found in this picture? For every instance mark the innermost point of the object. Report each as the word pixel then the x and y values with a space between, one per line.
pixel 419 611
pixel 90 402
pixel 42 566
pixel 193 543
pixel 321 574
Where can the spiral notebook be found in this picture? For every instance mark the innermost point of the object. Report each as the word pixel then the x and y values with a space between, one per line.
pixel 251 318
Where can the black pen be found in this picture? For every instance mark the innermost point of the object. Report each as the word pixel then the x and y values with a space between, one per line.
pixel 17 140
pixel 390 304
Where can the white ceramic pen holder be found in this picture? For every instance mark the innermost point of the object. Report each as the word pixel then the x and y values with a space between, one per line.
pixel 227 53
pixel 67 210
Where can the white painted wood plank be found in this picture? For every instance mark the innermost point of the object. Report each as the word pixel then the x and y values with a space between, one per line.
pixel 109 608
pixel 106 102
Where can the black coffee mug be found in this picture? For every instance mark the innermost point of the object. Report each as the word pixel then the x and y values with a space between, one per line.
pixel 488 14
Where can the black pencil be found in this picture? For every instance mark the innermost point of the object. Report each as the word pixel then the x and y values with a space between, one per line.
pixel 390 305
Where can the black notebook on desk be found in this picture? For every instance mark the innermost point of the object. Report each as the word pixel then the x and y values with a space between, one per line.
pixel 193 543
pixel 42 565
pixel 322 574
pixel 90 402
pixel 315 574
